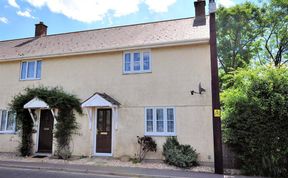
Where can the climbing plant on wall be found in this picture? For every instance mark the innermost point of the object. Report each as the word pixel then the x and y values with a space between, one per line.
pixel 66 124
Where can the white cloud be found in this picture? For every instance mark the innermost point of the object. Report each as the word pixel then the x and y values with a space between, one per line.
pixel 3 20
pixel 13 3
pixel 159 5
pixel 37 3
pixel 26 13
pixel 95 10
pixel 226 3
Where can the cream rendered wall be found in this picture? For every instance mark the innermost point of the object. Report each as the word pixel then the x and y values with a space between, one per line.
pixel 175 71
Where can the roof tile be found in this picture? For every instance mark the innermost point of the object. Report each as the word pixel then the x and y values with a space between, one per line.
pixel 171 31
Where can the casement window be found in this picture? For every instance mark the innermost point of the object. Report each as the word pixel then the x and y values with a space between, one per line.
pixel 160 121
pixel 137 61
pixel 31 70
pixel 7 121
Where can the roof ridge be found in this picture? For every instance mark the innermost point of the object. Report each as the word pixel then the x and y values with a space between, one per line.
pixel 121 26
pixel 105 28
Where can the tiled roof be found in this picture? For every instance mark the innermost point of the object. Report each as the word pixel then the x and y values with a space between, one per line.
pixel 114 38
pixel 104 96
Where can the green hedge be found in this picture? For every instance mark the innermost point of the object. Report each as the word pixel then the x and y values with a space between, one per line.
pixel 255 120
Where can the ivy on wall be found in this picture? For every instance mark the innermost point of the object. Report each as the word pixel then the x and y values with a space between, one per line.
pixel 66 124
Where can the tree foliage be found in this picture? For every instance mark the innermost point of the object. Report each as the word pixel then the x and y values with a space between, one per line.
pixel 255 119
pixel 247 33
pixel 274 39
pixel 237 31
pixel 66 122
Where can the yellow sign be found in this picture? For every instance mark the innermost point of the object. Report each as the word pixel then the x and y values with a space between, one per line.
pixel 217 113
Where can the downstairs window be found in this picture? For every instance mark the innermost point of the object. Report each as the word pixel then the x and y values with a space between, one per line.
pixel 160 121
pixel 7 121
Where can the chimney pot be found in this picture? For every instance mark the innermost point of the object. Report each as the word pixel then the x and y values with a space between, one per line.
pixel 200 17
pixel 40 29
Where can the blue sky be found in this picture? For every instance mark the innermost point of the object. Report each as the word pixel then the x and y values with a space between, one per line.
pixel 18 17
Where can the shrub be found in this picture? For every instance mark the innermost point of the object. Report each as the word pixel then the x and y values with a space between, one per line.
pixel 255 120
pixel 146 144
pixel 66 124
pixel 183 156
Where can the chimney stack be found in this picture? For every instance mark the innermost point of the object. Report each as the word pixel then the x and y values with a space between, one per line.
pixel 40 29
pixel 200 17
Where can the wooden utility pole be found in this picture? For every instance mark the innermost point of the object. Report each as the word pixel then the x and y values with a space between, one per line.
pixel 218 154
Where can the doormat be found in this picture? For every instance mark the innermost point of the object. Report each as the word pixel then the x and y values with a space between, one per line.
pixel 39 156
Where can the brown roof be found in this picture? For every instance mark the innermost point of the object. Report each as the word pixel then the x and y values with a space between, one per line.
pixel 171 32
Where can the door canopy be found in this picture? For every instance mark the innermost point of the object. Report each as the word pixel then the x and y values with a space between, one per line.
pixel 100 100
pixel 36 103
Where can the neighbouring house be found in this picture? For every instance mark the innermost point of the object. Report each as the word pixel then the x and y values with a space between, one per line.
pixel 133 80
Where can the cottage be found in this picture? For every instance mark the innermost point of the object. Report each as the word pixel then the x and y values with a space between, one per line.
pixel 133 80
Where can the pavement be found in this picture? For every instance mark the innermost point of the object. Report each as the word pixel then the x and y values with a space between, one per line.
pixel 73 170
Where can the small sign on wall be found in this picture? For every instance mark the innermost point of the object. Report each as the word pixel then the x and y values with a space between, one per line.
pixel 217 113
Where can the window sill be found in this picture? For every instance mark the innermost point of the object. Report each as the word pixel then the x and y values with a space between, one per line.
pixel 7 132
pixel 160 134
pixel 30 79
pixel 137 72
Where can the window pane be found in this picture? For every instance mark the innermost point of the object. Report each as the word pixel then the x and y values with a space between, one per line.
pixel 170 114
pixel 31 67
pixel 39 67
pixel 170 126
pixel 3 120
pixel 23 70
pixel 136 61
pixel 11 121
pixel 146 61
pixel 170 120
pixel 127 62
pixel 149 119
pixel 159 120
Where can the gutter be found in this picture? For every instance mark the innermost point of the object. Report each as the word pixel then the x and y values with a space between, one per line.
pixel 105 50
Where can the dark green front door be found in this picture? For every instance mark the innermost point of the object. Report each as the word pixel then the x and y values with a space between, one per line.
pixel 46 132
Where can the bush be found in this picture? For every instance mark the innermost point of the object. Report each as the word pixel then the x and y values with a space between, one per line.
pixel 66 124
pixel 255 120
pixel 146 144
pixel 183 156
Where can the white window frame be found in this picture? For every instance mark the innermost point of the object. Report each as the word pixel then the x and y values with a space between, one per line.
pixel 14 126
pixel 132 71
pixel 154 132
pixel 35 70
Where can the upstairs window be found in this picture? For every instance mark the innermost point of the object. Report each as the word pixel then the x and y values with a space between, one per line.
pixel 137 62
pixel 31 70
pixel 7 121
pixel 160 121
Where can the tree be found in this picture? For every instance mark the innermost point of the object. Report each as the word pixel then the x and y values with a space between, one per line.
pixel 274 39
pixel 237 31
pixel 255 119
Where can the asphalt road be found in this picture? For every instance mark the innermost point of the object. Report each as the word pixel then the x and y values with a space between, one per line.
pixel 14 169
pixel 28 173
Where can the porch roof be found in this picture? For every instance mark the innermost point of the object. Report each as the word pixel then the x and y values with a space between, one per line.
pixel 100 100
pixel 36 103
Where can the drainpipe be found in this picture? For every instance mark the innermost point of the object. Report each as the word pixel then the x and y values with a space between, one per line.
pixel 217 135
